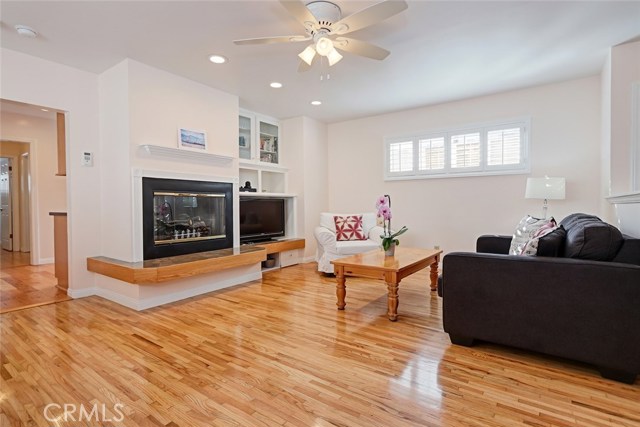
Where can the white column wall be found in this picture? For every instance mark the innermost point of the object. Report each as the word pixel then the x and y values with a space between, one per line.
pixel 32 80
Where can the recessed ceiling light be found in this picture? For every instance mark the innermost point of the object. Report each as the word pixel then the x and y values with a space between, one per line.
pixel 217 59
pixel 275 85
pixel 44 109
pixel 25 31
pixel 316 102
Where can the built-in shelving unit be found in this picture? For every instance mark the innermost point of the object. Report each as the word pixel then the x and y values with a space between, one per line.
pixel 269 142
pixel 258 138
pixel 193 156
pixel 264 178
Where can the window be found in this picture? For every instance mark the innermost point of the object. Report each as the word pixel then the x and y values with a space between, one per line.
pixel 401 157
pixel 487 149
pixel 465 150
pixel 431 154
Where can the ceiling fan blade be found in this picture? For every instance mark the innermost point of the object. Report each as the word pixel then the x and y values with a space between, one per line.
pixel 303 66
pixel 369 16
pixel 300 12
pixel 361 48
pixel 269 40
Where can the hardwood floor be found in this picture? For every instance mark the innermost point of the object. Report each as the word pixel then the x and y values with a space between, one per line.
pixel 23 285
pixel 279 353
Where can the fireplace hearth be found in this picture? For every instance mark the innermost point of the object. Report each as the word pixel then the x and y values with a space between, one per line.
pixel 183 217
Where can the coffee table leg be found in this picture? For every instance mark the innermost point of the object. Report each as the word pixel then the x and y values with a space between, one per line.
pixel 434 274
pixel 392 301
pixel 341 290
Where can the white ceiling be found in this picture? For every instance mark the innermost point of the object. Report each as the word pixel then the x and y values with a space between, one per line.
pixel 440 51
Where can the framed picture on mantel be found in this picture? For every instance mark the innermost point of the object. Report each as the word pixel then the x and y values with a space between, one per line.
pixel 190 139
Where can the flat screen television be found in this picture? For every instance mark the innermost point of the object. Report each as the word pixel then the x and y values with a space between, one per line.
pixel 261 219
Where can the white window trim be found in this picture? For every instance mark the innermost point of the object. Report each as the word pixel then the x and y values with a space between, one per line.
pixel 484 169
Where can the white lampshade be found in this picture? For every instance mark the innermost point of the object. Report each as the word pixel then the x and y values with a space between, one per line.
pixel 545 188
pixel 334 57
pixel 308 54
pixel 324 46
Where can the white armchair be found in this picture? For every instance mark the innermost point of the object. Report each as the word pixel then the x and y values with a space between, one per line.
pixel 329 248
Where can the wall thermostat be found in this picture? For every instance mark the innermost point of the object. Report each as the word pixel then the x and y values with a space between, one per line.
pixel 87 158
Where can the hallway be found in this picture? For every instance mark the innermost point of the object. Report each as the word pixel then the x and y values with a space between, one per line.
pixel 23 285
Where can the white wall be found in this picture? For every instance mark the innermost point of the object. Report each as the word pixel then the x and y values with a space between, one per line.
pixel 620 72
pixel 305 151
pixel 606 208
pixel 453 212
pixel 625 70
pixel 35 81
pixel 49 191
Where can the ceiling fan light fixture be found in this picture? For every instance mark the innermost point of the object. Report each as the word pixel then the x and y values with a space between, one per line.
pixel 334 57
pixel 308 54
pixel 324 46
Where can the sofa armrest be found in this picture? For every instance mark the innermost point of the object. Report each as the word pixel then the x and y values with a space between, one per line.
pixel 493 244
pixel 375 233
pixel 580 309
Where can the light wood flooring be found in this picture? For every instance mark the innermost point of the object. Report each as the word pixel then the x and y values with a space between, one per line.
pixel 278 353
pixel 23 285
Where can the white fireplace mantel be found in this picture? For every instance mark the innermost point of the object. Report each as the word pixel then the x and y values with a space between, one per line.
pixel 194 156
pixel 624 198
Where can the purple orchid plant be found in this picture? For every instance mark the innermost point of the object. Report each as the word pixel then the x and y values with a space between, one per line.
pixel 383 205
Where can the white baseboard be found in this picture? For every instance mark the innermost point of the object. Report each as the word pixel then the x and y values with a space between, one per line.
pixel 129 302
pixel 145 303
pixel 81 293
pixel 41 261
pixel 309 259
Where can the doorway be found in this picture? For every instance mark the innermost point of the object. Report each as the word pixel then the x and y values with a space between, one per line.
pixel 30 188
pixel 6 209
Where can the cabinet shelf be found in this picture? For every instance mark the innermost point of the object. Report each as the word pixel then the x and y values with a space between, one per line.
pixel 262 166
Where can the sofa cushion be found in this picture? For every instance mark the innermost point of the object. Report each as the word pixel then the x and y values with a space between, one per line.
pixel 629 252
pixel 349 227
pixel 588 237
pixel 522 242
pixel 368 220
pixel 353 247
pixel 552 244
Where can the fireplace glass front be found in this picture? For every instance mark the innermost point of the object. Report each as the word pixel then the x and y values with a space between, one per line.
pixel 182 217
pixel 187 217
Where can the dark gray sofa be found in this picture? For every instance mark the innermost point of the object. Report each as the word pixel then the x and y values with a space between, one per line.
pixel 582 303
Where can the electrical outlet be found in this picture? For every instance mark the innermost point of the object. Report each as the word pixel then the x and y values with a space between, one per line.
pixel 436 247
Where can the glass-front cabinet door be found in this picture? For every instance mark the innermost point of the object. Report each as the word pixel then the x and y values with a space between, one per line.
pixel 269 148
pixel 245 145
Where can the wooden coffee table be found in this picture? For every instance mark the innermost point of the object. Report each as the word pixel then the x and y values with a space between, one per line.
pixel 392 270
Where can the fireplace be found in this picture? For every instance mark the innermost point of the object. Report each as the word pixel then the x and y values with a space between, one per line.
pixel 183 217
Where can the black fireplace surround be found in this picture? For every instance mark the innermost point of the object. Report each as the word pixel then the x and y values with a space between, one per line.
pixel 183 217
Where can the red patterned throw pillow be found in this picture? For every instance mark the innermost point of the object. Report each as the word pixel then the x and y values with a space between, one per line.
pixel 349 228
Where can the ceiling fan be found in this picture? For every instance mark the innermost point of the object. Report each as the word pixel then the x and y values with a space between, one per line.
pixel 325 27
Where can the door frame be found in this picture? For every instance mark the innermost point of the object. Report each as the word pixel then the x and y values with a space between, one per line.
pixel 34 223
pixel 11 160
